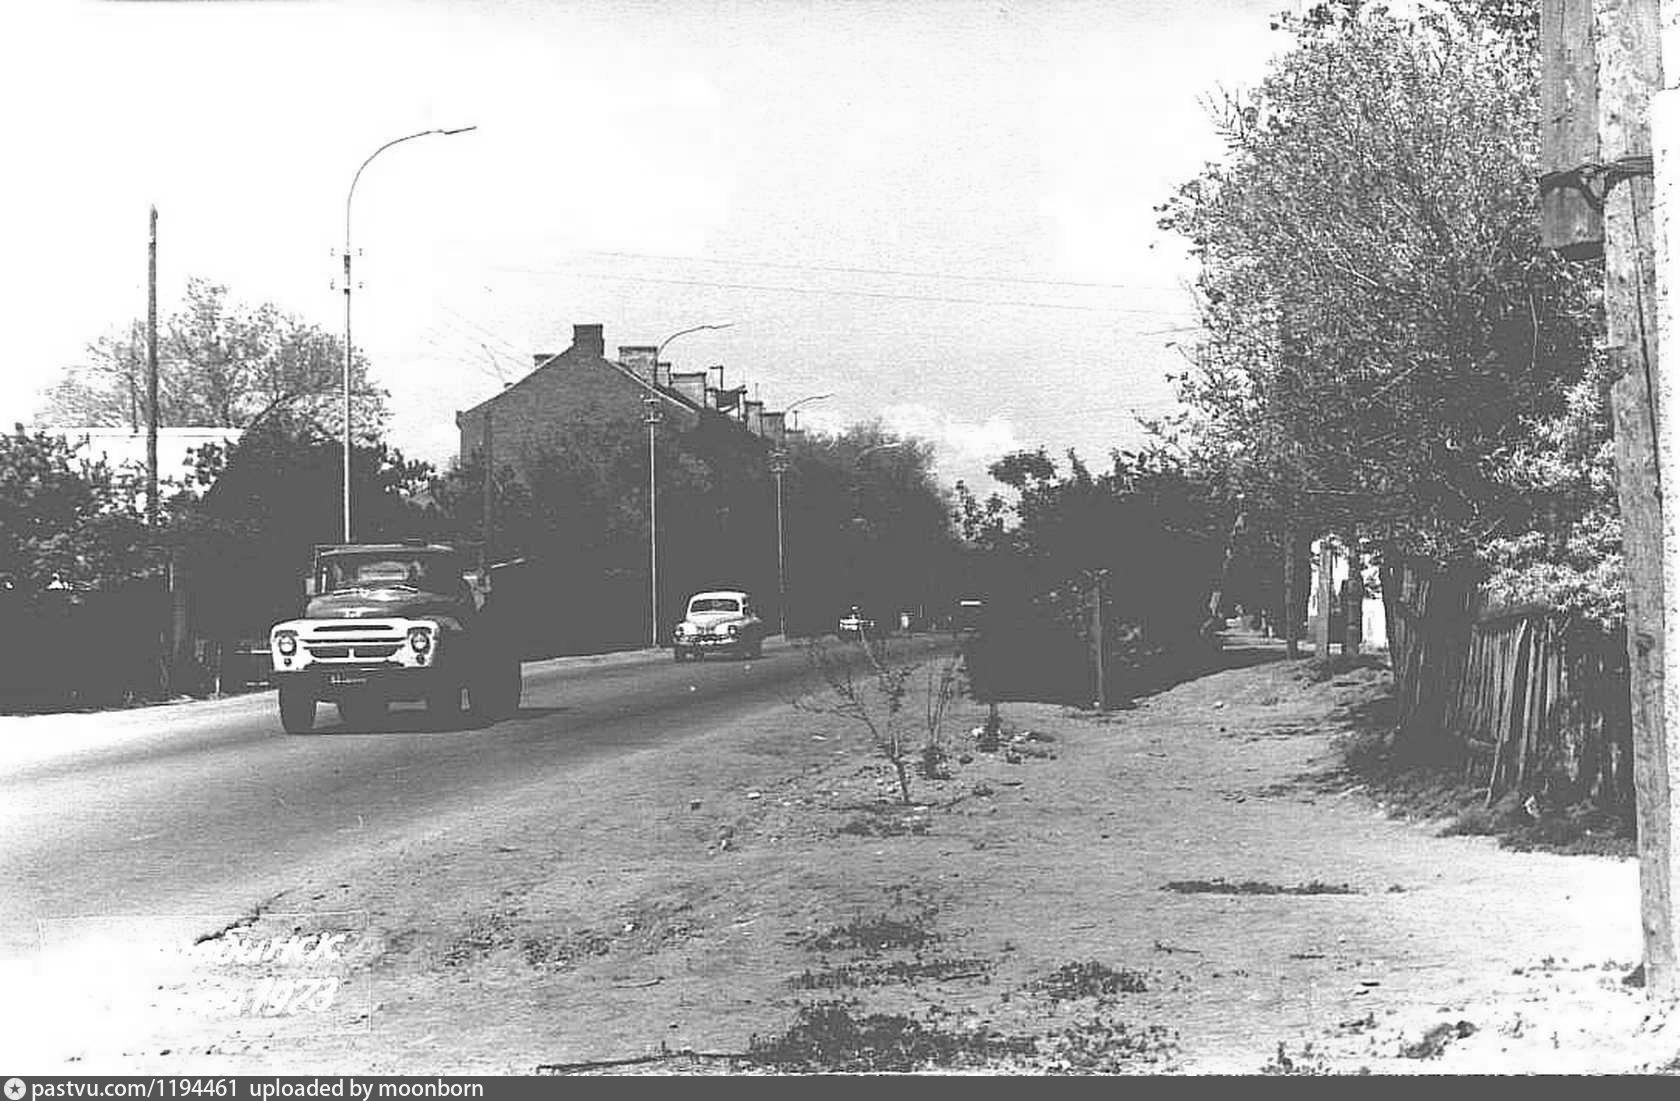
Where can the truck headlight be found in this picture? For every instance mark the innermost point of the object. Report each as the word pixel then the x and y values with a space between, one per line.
pixel 732 629
pixel 286 643
pixel 420 639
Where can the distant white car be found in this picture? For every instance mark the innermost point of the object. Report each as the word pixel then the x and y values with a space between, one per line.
pixel 719 621
pixel 854 624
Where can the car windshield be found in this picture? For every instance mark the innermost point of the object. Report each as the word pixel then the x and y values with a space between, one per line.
pixel 713 604
pixel 431 572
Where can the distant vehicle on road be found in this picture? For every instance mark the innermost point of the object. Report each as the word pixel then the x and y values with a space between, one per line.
pixel 969 616
pixel 391 621
pixel 854 624
pixel 719 621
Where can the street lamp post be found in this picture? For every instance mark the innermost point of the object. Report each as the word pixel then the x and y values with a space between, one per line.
pixel 348 199
pixel 652 419
pixel 778 467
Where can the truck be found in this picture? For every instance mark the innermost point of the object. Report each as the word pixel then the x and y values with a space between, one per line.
pixel 386 622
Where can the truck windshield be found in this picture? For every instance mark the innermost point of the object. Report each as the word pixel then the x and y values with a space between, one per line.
pixel 430 572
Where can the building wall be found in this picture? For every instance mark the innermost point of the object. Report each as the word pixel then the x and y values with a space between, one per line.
pixel 531 414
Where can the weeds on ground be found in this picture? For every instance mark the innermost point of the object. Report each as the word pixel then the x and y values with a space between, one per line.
pixel 869 689
pixel 829 1037
pixel 1319 670
pixel 1090 979
pixel 874 935
pixel 1305 1062
pixel 1254 887
pixel 1425 791
pixel 833 1037
pixel 896 972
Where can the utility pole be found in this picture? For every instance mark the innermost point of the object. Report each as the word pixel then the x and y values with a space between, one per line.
pixel 1323 591
pixel 652 420
pixel 486 556
pixel 1602 68
pixel 778 467
pixel 1291 629
pixel 151 376
pixel 1098 650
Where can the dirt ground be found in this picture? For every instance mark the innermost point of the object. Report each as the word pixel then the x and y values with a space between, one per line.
pixel 1185 886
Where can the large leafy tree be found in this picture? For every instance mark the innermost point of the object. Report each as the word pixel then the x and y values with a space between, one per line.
pixel 221 363
pixel 67 519
pixel 1383 331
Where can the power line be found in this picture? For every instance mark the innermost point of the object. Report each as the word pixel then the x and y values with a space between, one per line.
pixel 820 291
pixel 902 272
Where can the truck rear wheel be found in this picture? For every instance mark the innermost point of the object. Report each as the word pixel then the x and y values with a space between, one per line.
pixel 297 709
pixel 495 693
pixel 444 704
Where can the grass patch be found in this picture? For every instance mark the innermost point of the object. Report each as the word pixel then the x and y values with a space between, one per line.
pixel 829 1037
pixel 897 972
pixel 1255 887
pixel 876 934
pixel 832 1037
pixel 1090 979
pixel 1430 791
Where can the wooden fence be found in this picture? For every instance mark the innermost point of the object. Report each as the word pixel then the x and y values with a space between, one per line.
pixel 1524 701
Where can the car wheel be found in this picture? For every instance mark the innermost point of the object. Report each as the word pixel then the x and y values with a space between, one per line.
pixel 363 711
pixel 297 709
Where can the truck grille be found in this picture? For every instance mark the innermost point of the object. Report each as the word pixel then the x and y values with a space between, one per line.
pixel 352 641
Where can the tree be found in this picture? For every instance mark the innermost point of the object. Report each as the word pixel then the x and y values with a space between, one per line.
pixel 1382 328
pixel 220 364
pixel 65 518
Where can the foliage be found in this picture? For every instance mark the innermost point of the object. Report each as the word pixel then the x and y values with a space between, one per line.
pixel 220 364
pixel 1383 329
pixel 863 519
pixel 272 497
pixel 66 518
pixel 1146 533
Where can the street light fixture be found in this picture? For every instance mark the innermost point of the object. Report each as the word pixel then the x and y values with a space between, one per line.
pixel 348 199
pixel 652 421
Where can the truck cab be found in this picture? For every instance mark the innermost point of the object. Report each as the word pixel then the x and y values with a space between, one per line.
pixel 386 622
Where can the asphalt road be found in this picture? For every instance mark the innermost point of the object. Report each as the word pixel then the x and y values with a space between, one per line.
pixel 203 808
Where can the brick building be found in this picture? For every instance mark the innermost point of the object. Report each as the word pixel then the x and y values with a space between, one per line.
pixel 525 416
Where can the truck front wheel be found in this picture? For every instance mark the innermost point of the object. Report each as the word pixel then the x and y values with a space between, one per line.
pixel 297 709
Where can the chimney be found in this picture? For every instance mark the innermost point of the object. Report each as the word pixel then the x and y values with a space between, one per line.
pixel 638 358
pixel 691 385
pixel 589 340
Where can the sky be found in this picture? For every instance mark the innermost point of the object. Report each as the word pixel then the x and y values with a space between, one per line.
pixel 941 214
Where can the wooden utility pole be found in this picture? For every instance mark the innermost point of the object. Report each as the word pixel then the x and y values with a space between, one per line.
pixel 1324 592
pixel 1626 42
pixel 485 556
pixel 1291 634
pixel 1097 648
pixel 151 377
pixel 1608 165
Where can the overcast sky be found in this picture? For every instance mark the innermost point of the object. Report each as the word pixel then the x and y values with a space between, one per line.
pixel 941 213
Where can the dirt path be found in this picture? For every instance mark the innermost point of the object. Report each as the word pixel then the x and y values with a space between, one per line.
pixel 1177 888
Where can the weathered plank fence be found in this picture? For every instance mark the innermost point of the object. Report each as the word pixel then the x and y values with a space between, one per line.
pixel 1525 701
